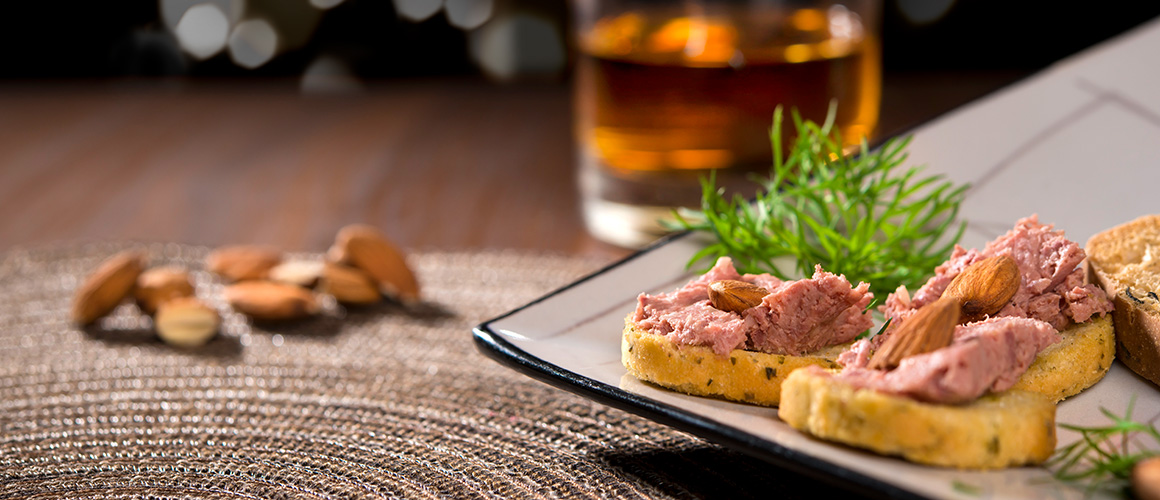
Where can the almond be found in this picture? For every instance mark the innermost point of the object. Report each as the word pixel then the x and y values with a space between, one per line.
pixel 107 287
pixel 267 300
pixel 931 328
pixel 735 296
pixel 243 262
pixel 364 247
pixel 337 254
pixel 159 285
pixel 349 285
pixel 1146 479
pixel 186 322
pixel 304 273
pixel 983 288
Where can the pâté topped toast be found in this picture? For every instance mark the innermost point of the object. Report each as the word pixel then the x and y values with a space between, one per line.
pixel 977 393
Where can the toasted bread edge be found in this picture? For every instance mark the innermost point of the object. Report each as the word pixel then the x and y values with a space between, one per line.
pixel 1137 315
pixel 744 376
pixel 996 431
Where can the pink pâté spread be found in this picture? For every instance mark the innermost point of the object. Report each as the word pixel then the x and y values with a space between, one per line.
pixel 1053 288
pixel 988 355
pixel 795 318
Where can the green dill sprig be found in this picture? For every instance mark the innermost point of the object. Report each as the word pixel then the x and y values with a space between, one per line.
pixel 863 215
pixel 1103 457
pixel 966 488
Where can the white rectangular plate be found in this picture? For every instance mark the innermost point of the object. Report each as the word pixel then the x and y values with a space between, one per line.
pixel 1074 144
pixel 571 339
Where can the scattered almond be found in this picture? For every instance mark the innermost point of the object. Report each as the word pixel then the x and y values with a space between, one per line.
pixel 337 255
pixel 243 262
pixel 931 328
pixel 1146 479
pixel 159 285
pixel 735 296
pixel 349 285
pixel 106 287
pixel 267 300
pixel 304 273
pixel 186 322
pixel 983 288
pixel 364 247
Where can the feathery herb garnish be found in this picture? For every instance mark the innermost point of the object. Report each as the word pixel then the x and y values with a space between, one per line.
pixel 862 215
pixel 966 488
pixel 1103 457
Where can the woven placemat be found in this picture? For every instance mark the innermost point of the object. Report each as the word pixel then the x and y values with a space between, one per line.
pixel 373 402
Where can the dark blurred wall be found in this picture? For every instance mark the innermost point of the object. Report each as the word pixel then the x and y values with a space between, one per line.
pixel 69 39
pixel 41 39
pixel 1003 34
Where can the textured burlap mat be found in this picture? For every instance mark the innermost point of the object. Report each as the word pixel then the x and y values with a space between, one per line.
pixel 372 402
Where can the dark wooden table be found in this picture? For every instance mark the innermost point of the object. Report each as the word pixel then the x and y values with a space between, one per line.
pixel 438 165
pixel 444 164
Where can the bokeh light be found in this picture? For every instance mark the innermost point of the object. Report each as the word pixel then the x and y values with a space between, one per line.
pixel 253 43
pixel 519 44
pixel 325 4
pixel 417 10
pixel 203 30
pixel 922 12
pixel 468 14
pixel 329 75
pixel 172 10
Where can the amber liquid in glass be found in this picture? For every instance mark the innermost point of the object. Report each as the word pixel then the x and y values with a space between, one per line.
pixel 663 99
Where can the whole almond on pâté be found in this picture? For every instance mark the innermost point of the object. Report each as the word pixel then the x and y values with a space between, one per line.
pixel 931 328
pixel 983 288
pixel 243 262
pixel 270 301
pixel 106 287
pixel 735 296
pixel 364 247
pixel 158 285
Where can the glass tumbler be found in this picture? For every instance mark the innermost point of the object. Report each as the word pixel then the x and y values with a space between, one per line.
pixel 666 92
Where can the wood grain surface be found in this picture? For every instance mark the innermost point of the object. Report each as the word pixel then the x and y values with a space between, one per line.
pixel 437 165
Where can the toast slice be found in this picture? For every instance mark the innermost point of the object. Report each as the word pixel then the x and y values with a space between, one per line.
pixel 1011 428
pixel 1125 260
pixel 744 376
pixel 1065 368
pixel 995 431
pixel 1080 359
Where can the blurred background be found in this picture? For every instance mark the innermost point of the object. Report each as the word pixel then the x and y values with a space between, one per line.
pixel 196 121
pixel 356 41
